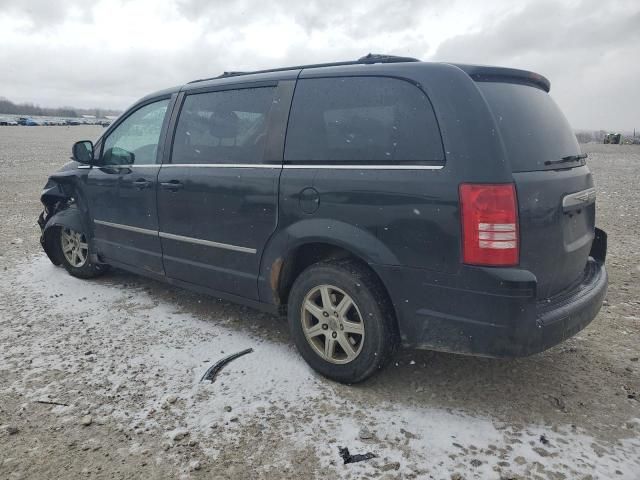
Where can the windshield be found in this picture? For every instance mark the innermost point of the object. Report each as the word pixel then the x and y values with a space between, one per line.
pixel 533 128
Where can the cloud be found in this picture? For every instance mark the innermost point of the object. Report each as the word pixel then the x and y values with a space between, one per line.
pixel 108 53
pixel 130 48
pixel 587 50
pixel 41 14
pixel 357 18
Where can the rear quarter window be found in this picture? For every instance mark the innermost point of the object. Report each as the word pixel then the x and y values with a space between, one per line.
pixel 532 127
pixel 362 120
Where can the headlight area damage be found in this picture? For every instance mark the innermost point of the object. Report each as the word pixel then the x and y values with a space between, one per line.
pixel 63 208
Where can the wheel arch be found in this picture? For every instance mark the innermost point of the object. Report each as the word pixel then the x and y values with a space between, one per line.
pixel 307 242
pixel 71 217
pixel 65 205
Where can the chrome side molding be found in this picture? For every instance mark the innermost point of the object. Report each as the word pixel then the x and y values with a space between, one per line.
pixel 206 243
pixel 278 166
pixel 180 238
pixel 129 228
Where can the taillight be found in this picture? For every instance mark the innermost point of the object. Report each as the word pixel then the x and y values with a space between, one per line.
pixel 489 224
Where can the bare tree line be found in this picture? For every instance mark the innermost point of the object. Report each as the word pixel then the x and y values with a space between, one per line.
pixel 8 107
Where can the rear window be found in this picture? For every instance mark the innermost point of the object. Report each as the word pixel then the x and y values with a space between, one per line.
pixel 362 120
pixel 533 128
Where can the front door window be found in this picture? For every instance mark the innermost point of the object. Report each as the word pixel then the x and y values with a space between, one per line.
pixel 135 140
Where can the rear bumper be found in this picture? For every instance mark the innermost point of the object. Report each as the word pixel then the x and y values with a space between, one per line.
pixel 490 311
pixel 566 314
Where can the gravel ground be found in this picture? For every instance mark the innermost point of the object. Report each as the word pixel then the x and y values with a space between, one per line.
pixel 124 356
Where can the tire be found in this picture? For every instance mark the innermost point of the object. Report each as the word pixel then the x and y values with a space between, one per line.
pixel 73 250
pixel 312 326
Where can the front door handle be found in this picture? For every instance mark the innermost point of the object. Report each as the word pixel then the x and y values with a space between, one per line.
pixel 172 185
pixel 141 184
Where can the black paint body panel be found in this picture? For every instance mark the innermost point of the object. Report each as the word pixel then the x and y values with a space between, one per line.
pixel 404 223
pixel 235 206
pixel 114 198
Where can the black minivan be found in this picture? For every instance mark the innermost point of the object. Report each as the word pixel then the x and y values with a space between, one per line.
pixel 379 202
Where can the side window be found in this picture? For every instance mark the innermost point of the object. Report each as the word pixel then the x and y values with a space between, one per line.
pixel 362 119
pixel 135 140
pixel 228 126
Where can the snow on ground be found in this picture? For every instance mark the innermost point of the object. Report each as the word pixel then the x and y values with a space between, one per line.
pixel 141 360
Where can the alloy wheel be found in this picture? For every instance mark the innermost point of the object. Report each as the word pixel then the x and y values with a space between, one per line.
pixel 332 324
pixel 74 247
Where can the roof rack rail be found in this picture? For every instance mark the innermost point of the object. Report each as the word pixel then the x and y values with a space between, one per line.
pixel 381 58
pixel 368 59
pixel 230 74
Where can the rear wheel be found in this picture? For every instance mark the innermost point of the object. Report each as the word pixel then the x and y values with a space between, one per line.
pixel 341 321
pixel 74 253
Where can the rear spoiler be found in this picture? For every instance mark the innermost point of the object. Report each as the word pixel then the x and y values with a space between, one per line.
pixel 481 73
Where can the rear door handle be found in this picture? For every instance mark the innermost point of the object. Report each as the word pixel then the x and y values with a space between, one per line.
pixel 141 184
pixel 172 185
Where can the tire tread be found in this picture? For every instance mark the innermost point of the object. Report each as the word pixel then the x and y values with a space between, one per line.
pixel 371 286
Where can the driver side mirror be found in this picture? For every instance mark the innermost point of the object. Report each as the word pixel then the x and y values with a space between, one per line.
pixel 83 152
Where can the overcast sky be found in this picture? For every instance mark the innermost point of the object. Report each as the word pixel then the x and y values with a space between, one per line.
pixel 108 53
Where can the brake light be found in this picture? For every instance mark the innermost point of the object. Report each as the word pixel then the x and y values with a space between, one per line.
pixel 489 216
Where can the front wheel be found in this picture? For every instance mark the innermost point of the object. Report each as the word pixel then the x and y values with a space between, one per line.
pixel 74 254
pixel 341 321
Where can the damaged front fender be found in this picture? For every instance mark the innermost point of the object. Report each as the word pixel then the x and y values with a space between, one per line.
pixel 70 217
pixel 63 207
